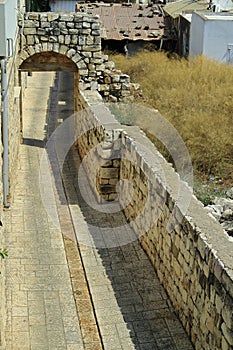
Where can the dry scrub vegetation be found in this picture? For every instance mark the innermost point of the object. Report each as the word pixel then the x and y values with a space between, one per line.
pixel 196 96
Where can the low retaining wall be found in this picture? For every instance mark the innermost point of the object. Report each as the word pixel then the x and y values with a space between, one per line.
pixel 193 258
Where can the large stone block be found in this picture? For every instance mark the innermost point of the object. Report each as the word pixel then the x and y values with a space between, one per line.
pixel 61 39
pixel 81 64
pixel 83 72
pixel 95 25
pixel 45 25
pixel 86 24
pixel 67 17
pixel 70 25
pixel 82 40
pixel 70 53
pixel 85 31
pixel 50 46
pixel 44 38
pixel 53 39
pixel 76 58
pixel 109 173
pixel 45 47
pixel 29 31
pixel 33 15
pixel 89 40
pixel 30 24
pixel 56 47
pixel 74 39
pixel 30 39
pixel 41 31
pixel 43 17
pixel 38 48
pixel 96 32
pixel 91 48
pixel 73 31
pixel 67 39
pixel 52 16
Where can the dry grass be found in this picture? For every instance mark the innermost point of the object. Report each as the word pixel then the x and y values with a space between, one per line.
pixel 197 98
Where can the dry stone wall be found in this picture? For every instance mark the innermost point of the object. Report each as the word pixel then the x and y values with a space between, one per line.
pixel 77 36
pixel 193 256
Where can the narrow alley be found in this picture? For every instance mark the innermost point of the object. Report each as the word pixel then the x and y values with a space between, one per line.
pixel 60 295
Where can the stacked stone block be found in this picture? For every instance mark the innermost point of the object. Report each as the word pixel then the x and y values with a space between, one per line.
pixel 99 147
pixel 77 36
pixel 192 260
pixel 109 171
pixel 193 256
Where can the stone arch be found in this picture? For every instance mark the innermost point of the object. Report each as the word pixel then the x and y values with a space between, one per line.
pixel 48 61
pixel 75 36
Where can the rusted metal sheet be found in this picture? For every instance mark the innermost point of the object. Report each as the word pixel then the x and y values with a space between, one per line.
pixel 134 22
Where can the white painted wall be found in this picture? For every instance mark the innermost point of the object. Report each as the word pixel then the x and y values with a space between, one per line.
pixel 62 5
pixel 211 35
pixel 224 4
pixel 196 35
pixel 8 25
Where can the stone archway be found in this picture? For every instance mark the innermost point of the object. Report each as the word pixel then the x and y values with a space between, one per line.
pixel 75 36
pixel 47 62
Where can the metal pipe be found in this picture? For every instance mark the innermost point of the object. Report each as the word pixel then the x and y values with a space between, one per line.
pixel 5 131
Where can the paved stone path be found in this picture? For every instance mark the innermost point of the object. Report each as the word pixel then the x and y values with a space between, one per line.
pixel 52 284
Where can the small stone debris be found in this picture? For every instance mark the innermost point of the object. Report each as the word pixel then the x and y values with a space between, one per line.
pixel 222 210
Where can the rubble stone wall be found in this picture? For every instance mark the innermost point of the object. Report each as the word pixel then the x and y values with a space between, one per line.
pixel 193 256
pixel 77 36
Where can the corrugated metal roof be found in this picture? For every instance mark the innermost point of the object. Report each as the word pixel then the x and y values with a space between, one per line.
pixel 133 22
pixel 174 9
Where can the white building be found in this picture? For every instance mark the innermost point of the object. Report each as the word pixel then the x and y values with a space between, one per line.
pixel 212 35
pixel 222 5
pixel 8 27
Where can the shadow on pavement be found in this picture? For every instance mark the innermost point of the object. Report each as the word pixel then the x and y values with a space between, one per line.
pixel 132 308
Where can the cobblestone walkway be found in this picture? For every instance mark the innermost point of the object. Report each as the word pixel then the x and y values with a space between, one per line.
pixel 62 297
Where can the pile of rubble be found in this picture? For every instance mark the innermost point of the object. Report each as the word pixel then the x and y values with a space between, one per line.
pixel 222 210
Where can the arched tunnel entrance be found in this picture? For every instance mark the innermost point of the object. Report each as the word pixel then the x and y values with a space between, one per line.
pixel 65 74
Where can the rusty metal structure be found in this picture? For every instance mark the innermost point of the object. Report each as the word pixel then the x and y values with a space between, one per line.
pixel 129 21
